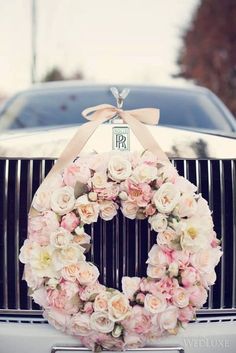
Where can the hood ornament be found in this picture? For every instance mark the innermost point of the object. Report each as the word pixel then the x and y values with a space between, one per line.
pixel 120 96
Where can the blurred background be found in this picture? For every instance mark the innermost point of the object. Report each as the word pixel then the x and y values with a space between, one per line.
pixel 164 42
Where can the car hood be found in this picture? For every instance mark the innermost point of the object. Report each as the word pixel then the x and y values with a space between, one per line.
pixel 49 143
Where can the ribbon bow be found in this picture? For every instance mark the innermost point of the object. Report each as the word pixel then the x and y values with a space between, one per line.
pixel 104 112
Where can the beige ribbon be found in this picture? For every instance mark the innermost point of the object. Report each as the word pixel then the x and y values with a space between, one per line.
pixel 104 112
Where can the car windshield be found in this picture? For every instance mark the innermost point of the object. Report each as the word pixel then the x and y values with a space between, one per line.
pixel 42 108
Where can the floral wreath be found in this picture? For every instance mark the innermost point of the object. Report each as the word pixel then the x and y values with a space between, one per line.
pixel 180 266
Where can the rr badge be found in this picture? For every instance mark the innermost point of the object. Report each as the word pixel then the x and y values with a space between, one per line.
pixel 120 138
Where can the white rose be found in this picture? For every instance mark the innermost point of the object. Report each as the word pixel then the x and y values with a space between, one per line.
pixel 41 261
pixel 130 285
pixel 144 173
pixel 155 303
pixel 167 171
pixel 158 222
pixel 205 260
pixel 157 257
pixel 168 318
pixel 166 198
pixel 119 168
pixel 118 307
pixel 68 256
pixel 63 200
pixel 194 235
pixel 156 271
pixel 80 325
pixel 185 186
pixel 26 251
pixel 108 209
pixel 100 321
pixel 32 280
pixel 61 238
pixel 101 301
pixel 99 180
pixel 180 297
pixel 87 273
pixel 88 211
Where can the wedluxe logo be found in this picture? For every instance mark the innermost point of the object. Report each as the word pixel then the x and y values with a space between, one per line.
pixel 206 342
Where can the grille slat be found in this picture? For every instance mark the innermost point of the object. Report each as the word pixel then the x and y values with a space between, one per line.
pixel 233 176
pixel 120 246
pixel 5 257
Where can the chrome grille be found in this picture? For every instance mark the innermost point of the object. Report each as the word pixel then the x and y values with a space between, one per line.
pixel 116 248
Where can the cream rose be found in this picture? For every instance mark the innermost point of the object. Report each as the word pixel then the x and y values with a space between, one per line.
pixel 70 272
pixel 158 222
pixel 119 168
pixel 63 200
pixel 169 238
pixel 87 273
pixel 88 211
pixel 155 303
pixel 101 301
pixel 61 238
pixel 118 307
pixel 129 209
pixel 42 200
pixel 156 271
pixel 130 285
pixel 180 297
pixel 100 321
pixel 99 180
pixel 108 209
pixel 80 325
pixel 166 198
pixel 144 173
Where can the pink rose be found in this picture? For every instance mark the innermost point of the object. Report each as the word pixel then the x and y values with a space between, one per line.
pixel 70 221
pixel 139 321
pixel 40 227
pixel 78 171
pixel 141 193
pixel 180 297
pixel 186 314
pixel 197 296
pixel 91 290
pixel 189 276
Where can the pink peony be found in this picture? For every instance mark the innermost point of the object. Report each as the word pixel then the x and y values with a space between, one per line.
pixel 70 221
pixel 78 171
